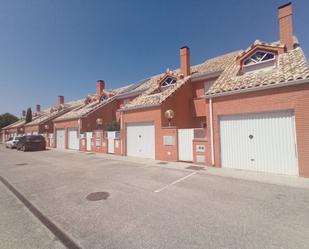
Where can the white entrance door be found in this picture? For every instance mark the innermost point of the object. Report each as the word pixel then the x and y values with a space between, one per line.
pixel 111 135
pixel 260 142
pixel 60 138
pixel 185 147
pixel 73 139
pixel 141 140
pixel 88 140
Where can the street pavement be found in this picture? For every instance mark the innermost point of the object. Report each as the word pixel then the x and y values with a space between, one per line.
pixel 146 206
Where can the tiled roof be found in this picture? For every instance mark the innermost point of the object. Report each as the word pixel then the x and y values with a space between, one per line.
pixel 94 104
pixel 53 112
pixel 15 124
pixel 215 64
pixel 84 109
pixel 291 66
pixel 154 97
pixel 22 121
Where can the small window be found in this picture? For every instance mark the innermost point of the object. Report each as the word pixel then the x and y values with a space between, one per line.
pixel 259 57
pixel 208 85
pixel 168 82
pixel 126 101
pixel 259 60
pixel 104 98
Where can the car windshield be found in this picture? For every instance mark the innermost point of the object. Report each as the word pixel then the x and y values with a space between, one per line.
pixel 17 138
pixel 10 139
pixel 35 137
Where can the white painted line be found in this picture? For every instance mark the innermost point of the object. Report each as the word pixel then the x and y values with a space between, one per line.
pixel 174 182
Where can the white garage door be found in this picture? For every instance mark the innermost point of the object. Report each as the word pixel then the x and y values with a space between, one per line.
pixel 141 140
pixel 260 142
pixel 73 139
pixel 60 138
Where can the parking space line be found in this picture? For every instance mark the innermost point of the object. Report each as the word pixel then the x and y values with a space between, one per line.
pixel 62 236
pixel 174 182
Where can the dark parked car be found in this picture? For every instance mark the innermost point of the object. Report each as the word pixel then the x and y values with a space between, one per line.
pixel 31 142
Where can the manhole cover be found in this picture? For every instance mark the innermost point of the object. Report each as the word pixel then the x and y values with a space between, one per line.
pixel 21 164
pixel 97 196
pixel 162 162
pixel 195 167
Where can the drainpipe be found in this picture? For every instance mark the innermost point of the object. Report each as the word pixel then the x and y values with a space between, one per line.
pixel 121 133
pixel 78 129
pixel 211 133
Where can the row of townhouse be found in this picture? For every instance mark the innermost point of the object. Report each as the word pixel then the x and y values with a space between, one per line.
pixel 248 109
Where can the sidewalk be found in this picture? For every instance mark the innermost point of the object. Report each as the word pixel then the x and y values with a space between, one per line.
pixel 283 180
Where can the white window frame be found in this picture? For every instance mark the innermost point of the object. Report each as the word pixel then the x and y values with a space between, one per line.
pixel 207 85
pixel 261 60
pixel 173 82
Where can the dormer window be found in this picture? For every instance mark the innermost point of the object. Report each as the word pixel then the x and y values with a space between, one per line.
pixel 103 98
pixel 168 82
pixel 259 60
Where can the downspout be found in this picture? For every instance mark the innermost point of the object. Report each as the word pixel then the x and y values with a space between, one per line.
pixel 79 129
pixel 121 133
pixel 211 133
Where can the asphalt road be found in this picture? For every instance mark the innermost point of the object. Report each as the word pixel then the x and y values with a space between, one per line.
pixel 145 206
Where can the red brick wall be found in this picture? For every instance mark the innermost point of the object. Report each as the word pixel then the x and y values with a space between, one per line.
pixel 293 97
pixel 107 113
pixel 181 102
pixel 102 148
pixel 167 152
pixel 117 149
pixel 198 88
pixel 196 153
pixel 83 144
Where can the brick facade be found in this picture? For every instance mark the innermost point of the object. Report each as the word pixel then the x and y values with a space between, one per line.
pixel 294 98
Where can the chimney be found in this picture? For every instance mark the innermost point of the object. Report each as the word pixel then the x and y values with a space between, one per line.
pixel 38 108
pixel 23 113
pixel 100 85
pixel 285 13
pixel 60 100
pixel 185 61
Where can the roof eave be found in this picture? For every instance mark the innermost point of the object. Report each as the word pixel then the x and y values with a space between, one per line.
pixel 138 107
pixel 130 94
pixel 255 89
pixel 207 75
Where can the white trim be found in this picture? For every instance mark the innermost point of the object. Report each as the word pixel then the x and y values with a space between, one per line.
pixel 258 88
pixel 127 95
pixel 138 107
pixel 204 76
pixel 211 133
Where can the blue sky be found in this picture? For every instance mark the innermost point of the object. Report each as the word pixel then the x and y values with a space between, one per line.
pixel 61 47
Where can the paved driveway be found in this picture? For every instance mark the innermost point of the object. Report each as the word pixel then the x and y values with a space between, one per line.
pixel 148 207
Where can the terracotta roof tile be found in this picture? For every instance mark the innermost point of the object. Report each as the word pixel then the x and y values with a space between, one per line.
pixel 152 97
pixel 291 66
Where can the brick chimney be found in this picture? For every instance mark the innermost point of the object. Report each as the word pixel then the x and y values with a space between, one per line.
pixel 100 85
pixel 38 108
pixel 185 61
pixel 23 113
pixel 60 100
pixel 285 13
